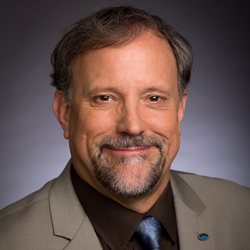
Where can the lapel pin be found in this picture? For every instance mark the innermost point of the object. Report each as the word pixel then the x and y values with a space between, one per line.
pixel 202 236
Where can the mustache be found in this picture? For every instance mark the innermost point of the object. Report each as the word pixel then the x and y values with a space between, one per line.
pixel 127 141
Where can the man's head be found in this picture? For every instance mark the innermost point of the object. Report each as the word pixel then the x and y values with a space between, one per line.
pixel 115 26
pixel 127 101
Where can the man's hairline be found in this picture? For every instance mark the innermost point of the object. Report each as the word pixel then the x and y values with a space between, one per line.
pixel 122 44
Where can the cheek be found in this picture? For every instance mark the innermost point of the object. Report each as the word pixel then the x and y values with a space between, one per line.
pixel 85 129
pixel 165 124
pixel 87 126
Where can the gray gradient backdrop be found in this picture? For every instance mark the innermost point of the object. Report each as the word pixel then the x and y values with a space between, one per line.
pixel 215 131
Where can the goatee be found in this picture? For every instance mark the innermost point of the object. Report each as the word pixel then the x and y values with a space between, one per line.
pixel 129 176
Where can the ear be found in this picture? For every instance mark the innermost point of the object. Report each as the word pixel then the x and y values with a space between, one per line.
pixel 181 109
pixel 61 109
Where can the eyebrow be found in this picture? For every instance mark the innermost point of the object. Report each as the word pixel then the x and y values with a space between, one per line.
pixel 153 89
pixel 100 89
pixel 112 89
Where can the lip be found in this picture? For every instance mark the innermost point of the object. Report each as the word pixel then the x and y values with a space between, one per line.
pixel 132 150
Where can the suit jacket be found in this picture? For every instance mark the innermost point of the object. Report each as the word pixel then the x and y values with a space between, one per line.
pixel 52 217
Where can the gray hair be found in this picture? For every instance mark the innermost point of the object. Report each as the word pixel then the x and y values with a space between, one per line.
pixel 115 26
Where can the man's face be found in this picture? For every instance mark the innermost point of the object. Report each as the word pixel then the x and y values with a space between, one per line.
pixel 123 124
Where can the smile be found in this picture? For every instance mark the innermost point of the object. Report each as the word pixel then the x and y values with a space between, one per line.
pixel 130 150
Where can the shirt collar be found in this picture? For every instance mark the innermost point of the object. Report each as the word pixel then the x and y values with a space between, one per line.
pixel 116 224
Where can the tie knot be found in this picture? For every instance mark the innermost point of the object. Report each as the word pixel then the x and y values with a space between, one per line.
pixel 149 232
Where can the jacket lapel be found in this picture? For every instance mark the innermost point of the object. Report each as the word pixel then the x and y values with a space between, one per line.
pixel 192 217
pixel 70 221
pixel 68 218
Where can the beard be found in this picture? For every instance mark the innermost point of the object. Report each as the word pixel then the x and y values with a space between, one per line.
pixel 128 176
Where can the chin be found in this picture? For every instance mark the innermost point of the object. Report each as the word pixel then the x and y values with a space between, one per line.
pixel 134 178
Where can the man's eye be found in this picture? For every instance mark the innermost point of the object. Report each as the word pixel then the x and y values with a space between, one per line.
pixel 104 98
pixel 154 98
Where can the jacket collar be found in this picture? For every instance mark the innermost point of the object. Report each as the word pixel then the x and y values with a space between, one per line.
pixel 70 221
pixel 68 218
pixel 191 214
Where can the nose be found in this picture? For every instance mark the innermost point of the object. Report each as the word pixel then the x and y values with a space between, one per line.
pixel 131 119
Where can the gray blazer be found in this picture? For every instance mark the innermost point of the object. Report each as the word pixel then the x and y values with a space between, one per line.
pixel 52 217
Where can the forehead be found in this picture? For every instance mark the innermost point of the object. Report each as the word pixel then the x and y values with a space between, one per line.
pixel 148 58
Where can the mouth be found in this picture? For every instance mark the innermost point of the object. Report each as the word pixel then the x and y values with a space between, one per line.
pixel 130 146
pixel 128 151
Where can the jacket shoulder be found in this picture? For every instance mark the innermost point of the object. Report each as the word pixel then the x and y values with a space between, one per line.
pixel 210 186
pixel 215 206
pixel 26 223
pixel 217 194
pixel 27 201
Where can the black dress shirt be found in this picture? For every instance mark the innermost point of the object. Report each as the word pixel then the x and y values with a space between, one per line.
pixel 115 225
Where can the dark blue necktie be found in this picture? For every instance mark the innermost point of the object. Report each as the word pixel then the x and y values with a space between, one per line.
pixel 149 232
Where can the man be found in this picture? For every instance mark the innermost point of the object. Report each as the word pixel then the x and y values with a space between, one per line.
pixel 121 77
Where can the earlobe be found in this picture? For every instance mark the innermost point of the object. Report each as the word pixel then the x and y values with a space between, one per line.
pixel 61 109
pixel 181 109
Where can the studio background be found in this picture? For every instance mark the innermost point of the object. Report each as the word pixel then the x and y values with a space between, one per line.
pixel 215 131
